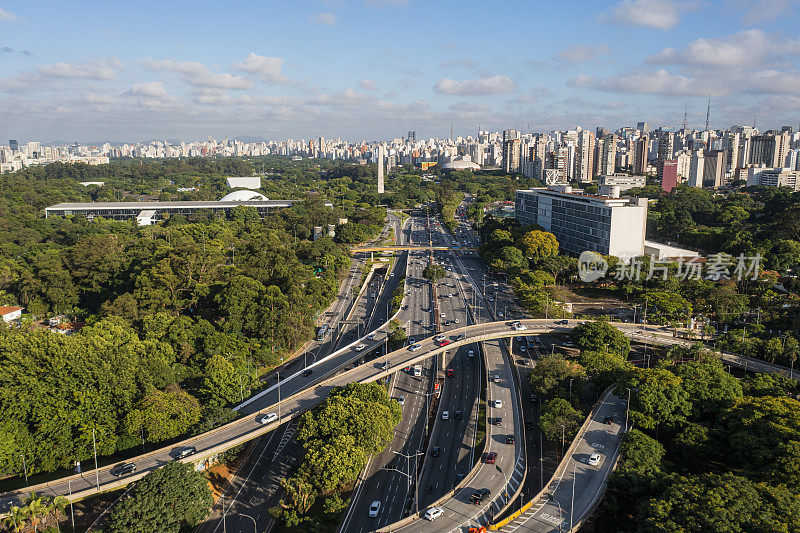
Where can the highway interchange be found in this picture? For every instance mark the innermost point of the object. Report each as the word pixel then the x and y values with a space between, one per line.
pixel 455 438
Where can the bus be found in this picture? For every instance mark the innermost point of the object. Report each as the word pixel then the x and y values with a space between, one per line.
pixel 322 332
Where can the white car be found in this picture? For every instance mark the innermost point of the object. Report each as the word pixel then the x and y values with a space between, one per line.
pixel 471 353
pixel 361 347
pixel 442 315
pixel 374 509
pixel 414 347
pixel 521 327
pixel 269 418
pixel 498 404
pixel 371 336
pixel 445 415
pixel 456 321
pixel 496 378
pixel 439 338
pixel 401 400
pixel 433 513
pixel 594 459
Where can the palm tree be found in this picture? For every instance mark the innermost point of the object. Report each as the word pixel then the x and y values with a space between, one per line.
pixel 57 506
pixel 37 507
pixel 16 519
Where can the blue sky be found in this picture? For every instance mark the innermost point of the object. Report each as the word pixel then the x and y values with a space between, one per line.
pixel 373 69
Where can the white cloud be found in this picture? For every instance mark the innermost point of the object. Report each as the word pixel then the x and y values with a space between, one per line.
pixel 661 14
pixel 478 86
pixel 580 53
pixel 8 16
pixel 326 19
pixel 150 89
pixel 772 82
pixel 266 68
pixel 196 74
pixel 750 48
pixel 368 85
pixel 656 82
pixel 99 69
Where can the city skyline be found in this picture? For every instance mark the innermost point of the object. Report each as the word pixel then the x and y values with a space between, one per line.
pixel 182 71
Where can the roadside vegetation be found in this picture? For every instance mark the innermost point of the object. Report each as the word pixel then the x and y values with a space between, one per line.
pixel 354 423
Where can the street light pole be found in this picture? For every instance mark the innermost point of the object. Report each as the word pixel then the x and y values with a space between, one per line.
pixel 96 470
pixel 570 389
pixel 279 394
pixel 572 505
pixel 71 508
pixel 627 409
pixel 24 467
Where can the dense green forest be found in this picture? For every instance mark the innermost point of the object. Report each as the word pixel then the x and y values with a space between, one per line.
pixel 708 452
pixel 180 317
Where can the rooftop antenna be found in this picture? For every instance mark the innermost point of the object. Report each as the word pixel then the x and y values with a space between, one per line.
pixel 708 110
pixel 685 114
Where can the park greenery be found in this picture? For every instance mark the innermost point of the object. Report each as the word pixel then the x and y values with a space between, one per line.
pixel 708 452
pixel 180 318
pixel 529 258
pixel 354 423
pixel 175 497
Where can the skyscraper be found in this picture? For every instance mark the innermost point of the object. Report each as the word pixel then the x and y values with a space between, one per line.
pixel 584 156
pixel 640 155
pixel 511 151
pixel 14 145
pixel 669 175
pixel 381 156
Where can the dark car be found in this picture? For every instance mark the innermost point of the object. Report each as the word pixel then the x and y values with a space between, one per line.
pixel 562 322
pixel 529 426
pixel 307 372
pixel 510 439
pixel 534 398
pixel 491 457
pixel 186 452
pixel 123 469
pixel 608 420
pixel 498 421
pixel 477 497
pixel 436 451
pixel 458 415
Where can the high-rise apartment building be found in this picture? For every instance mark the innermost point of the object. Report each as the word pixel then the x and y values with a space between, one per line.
pixel 584 157
pixel 696 169
pixel 714 170
pixel 511 151
pixel 641 148
pixel 642 127
pixel 381 156
pixel 669 174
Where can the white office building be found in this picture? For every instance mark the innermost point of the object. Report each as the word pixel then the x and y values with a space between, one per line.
pixel 609 225
pixel 774 177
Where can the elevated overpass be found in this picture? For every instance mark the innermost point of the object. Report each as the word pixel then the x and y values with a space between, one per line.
pixel 248 427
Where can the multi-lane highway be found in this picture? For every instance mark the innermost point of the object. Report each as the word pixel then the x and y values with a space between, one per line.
pixel 390 477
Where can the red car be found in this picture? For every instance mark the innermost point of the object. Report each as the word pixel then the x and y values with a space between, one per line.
pixel 450 373
pixel 444 342
pixel 490 458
